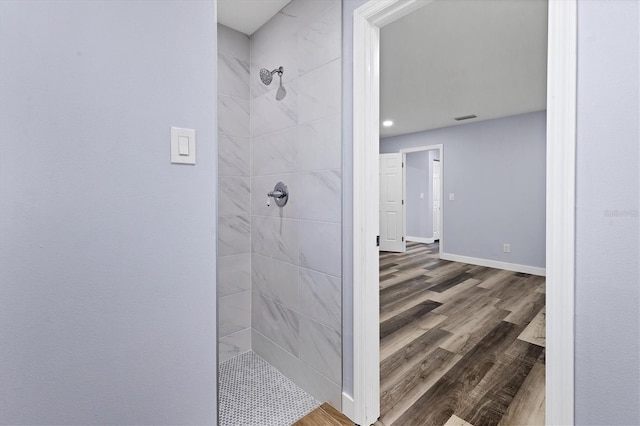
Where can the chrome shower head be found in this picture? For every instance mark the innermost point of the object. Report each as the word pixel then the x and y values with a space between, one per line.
pixel 267 76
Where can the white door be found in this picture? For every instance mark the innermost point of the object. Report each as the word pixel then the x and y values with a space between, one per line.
pixel 391 203
pixel 437 197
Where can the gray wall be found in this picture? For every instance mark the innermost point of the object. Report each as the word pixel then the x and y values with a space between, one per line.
pixel 419 211
pixel 496 169
pixel 295 250
pixel 234 198
pixel 607 256
pixel 107 251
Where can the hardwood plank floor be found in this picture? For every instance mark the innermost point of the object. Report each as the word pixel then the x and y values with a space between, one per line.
pixel 459 344
pixel 324 415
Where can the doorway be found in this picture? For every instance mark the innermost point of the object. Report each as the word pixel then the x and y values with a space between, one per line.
pixel 410 197
pixel 560 208
pixel 423 185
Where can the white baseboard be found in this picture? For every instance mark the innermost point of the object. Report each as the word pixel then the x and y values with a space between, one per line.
pixel 420 240
pixel 348 406
pixel 533 270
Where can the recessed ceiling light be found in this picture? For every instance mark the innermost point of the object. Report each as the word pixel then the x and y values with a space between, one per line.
pixel 387 123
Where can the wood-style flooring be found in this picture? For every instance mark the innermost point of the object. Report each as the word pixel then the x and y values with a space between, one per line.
pixel 459 344
pixel 324 415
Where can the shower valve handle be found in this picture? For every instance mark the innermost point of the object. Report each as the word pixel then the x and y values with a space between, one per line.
pixel 276 194
pixel 280 193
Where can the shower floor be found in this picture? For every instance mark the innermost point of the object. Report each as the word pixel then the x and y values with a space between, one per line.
pixel 253 393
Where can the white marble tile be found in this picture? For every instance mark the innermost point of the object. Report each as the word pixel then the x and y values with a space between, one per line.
pixel 320 144
pixel 293 18
pixel 321 348
pixel 277 40
pixel 276 322
pixel 280 53
pixel 303 375
pixel 320 40
pixel 275 355
pixel 233 76
pixel 280 27
pixel 234 344
pixel 318 386
pixel 320 246
pixel 320 297
pixel 261 185
pixel 275 152
pixel 275 237
pixel 308 10
pixel 233 116
pixel 320 196
pixel 234 195
pixel 269 114
pixel 233 43
pixel 233 235
pixel 233 155
pixel 234 274
pixel 275 279
pixel 254 393
pixel 320 92
pixel 234 313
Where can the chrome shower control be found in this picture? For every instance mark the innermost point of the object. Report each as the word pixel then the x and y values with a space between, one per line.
pixel 280 193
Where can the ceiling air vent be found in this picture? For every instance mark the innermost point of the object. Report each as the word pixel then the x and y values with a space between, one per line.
pixel 465 117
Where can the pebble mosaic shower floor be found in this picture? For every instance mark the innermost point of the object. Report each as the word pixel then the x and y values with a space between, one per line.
pixel 253 393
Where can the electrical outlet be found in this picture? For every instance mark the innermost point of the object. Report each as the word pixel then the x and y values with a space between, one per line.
pixel 506 248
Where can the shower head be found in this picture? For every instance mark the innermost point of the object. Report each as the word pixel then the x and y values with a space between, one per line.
pixel 267 76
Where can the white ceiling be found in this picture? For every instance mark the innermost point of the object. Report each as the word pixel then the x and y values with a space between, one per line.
pixel 453 58
pixel 247 16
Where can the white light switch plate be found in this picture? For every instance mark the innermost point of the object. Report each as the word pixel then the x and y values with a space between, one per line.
pixel 183 146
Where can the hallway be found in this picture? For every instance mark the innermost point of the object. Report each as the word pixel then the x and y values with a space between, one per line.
pixel 459 344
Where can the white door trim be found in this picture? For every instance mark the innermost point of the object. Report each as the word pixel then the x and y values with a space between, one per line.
pixel 561 195
pixel 440 148
pixel 560 226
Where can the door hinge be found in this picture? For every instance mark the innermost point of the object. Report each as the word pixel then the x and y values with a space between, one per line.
pixel 402 238
pixel 402 164
pixel 378 241
pixel 403 202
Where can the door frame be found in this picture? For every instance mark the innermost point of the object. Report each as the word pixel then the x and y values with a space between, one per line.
pixel 437 228
pixel 437 147
pixel 364 407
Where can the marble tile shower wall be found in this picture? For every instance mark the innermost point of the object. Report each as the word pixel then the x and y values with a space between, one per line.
pixel 296 250
pixel 234 201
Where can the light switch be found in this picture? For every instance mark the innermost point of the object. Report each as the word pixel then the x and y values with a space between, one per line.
pixel 452 196
pixel 422 195
pixel 183 146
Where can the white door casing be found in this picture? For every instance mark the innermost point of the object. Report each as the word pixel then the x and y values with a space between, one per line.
pixel 392 203
pixel 437 197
